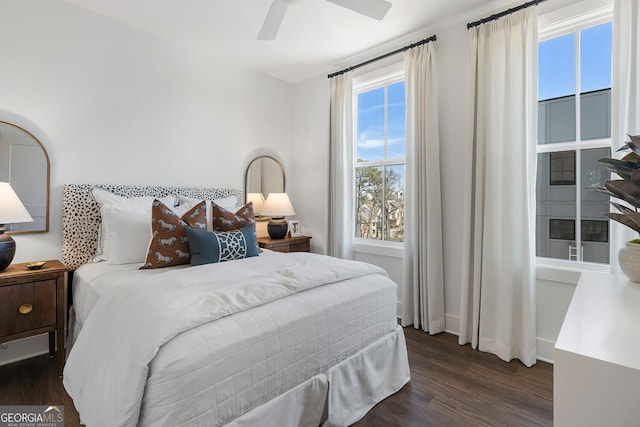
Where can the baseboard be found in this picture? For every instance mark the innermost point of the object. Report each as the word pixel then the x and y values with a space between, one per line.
pixel 545 346
pixel 24 349
pixel 452 324
pixel 545 349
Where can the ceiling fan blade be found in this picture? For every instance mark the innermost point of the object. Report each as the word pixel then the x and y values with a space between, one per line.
pixel 272 21
pixel 375 9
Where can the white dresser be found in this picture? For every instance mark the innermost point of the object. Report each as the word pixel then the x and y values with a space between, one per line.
pixel 596 373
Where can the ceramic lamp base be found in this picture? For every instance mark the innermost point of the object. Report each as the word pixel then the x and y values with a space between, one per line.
pixel 277 228
pixel 7 250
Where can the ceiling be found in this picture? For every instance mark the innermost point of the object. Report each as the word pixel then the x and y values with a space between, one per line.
pixel 316 36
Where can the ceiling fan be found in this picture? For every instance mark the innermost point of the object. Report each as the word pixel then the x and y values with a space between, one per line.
pixel 375 9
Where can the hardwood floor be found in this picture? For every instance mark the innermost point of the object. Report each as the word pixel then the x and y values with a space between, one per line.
pixel 35 382
pixel 451 385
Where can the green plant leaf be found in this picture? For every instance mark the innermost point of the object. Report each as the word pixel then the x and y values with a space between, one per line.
pixel 602 190
pixel 620 207
pixel 633 145
pixel 632 158
pixel 629 213
pixel 630 146
pixel 621 189
pixel 622 167
pixel 623 219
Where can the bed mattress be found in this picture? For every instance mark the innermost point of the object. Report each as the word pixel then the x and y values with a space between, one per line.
pixel 214 373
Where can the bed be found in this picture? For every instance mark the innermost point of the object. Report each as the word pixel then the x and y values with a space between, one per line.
pixel 275 339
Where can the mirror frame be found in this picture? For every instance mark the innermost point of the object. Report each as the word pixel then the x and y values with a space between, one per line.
pixel 246 174
pixel 46 157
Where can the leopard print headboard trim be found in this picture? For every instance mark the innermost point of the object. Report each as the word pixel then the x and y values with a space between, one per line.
pixel 81 214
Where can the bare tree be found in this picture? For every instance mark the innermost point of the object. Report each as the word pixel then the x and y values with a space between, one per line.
pixel 379 198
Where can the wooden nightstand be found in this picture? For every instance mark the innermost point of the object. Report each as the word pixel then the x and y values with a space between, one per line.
pixel 33 302
pixel 288 244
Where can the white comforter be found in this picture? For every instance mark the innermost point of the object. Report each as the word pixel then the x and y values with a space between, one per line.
pixel 107 368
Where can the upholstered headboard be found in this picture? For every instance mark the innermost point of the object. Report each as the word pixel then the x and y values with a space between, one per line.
pixel 81 214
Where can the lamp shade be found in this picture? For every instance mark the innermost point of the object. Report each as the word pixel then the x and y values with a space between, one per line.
pixel 11 208
pixel 258 202
pixel 11 211
pixel 277 205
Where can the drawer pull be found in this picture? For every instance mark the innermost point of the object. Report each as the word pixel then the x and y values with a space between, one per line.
pixel 25 308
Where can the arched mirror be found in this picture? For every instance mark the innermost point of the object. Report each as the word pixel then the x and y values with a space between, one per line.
pixel 24 163
pixel 264 175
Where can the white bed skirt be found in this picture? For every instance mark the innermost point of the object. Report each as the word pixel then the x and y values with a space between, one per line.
pixel 344 395
pixel 364 379
pixel 341 397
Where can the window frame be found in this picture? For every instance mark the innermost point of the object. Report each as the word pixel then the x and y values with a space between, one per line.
pixel 558 26
pixel 381 77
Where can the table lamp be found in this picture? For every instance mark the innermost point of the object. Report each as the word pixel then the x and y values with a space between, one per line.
pixel 258 202
pixel 277 206
pixel 11 211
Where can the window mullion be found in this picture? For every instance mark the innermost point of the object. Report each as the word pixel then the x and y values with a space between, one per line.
pixel 384 202
pixel 579 205
pixel 578 98
pixel 578 151
pixel 386 121
pixel 384 168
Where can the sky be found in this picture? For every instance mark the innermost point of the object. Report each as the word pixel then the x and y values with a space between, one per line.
pixel 556 59
pixel 371 129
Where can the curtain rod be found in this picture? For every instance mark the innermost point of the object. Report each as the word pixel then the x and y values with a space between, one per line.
pixel 505 13
pixel 386 55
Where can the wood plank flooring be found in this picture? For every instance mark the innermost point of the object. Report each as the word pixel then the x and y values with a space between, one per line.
pixel 451 385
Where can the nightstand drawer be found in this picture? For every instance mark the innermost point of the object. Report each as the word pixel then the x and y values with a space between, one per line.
pixel 299 247
pixel 27 306
pixel 281 248
pixel 288 244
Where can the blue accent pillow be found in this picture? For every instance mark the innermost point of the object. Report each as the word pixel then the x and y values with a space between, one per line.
pixel 207 247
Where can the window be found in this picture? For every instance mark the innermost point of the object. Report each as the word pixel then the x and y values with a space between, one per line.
pixel 574 130
pixel 562 168
pixel 379 159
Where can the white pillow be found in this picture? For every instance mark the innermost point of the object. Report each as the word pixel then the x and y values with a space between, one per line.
pixel 229 203
pixel 128 235
pixel 105 233
pixel 130 231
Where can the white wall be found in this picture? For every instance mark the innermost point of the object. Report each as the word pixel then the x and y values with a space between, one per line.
pixel 311 150
pixel 115 105
pixel 310 167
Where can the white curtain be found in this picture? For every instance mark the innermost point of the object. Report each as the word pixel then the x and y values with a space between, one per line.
pixel 625 96
pixel 341 204
pixel 422 284
pixel 498 273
